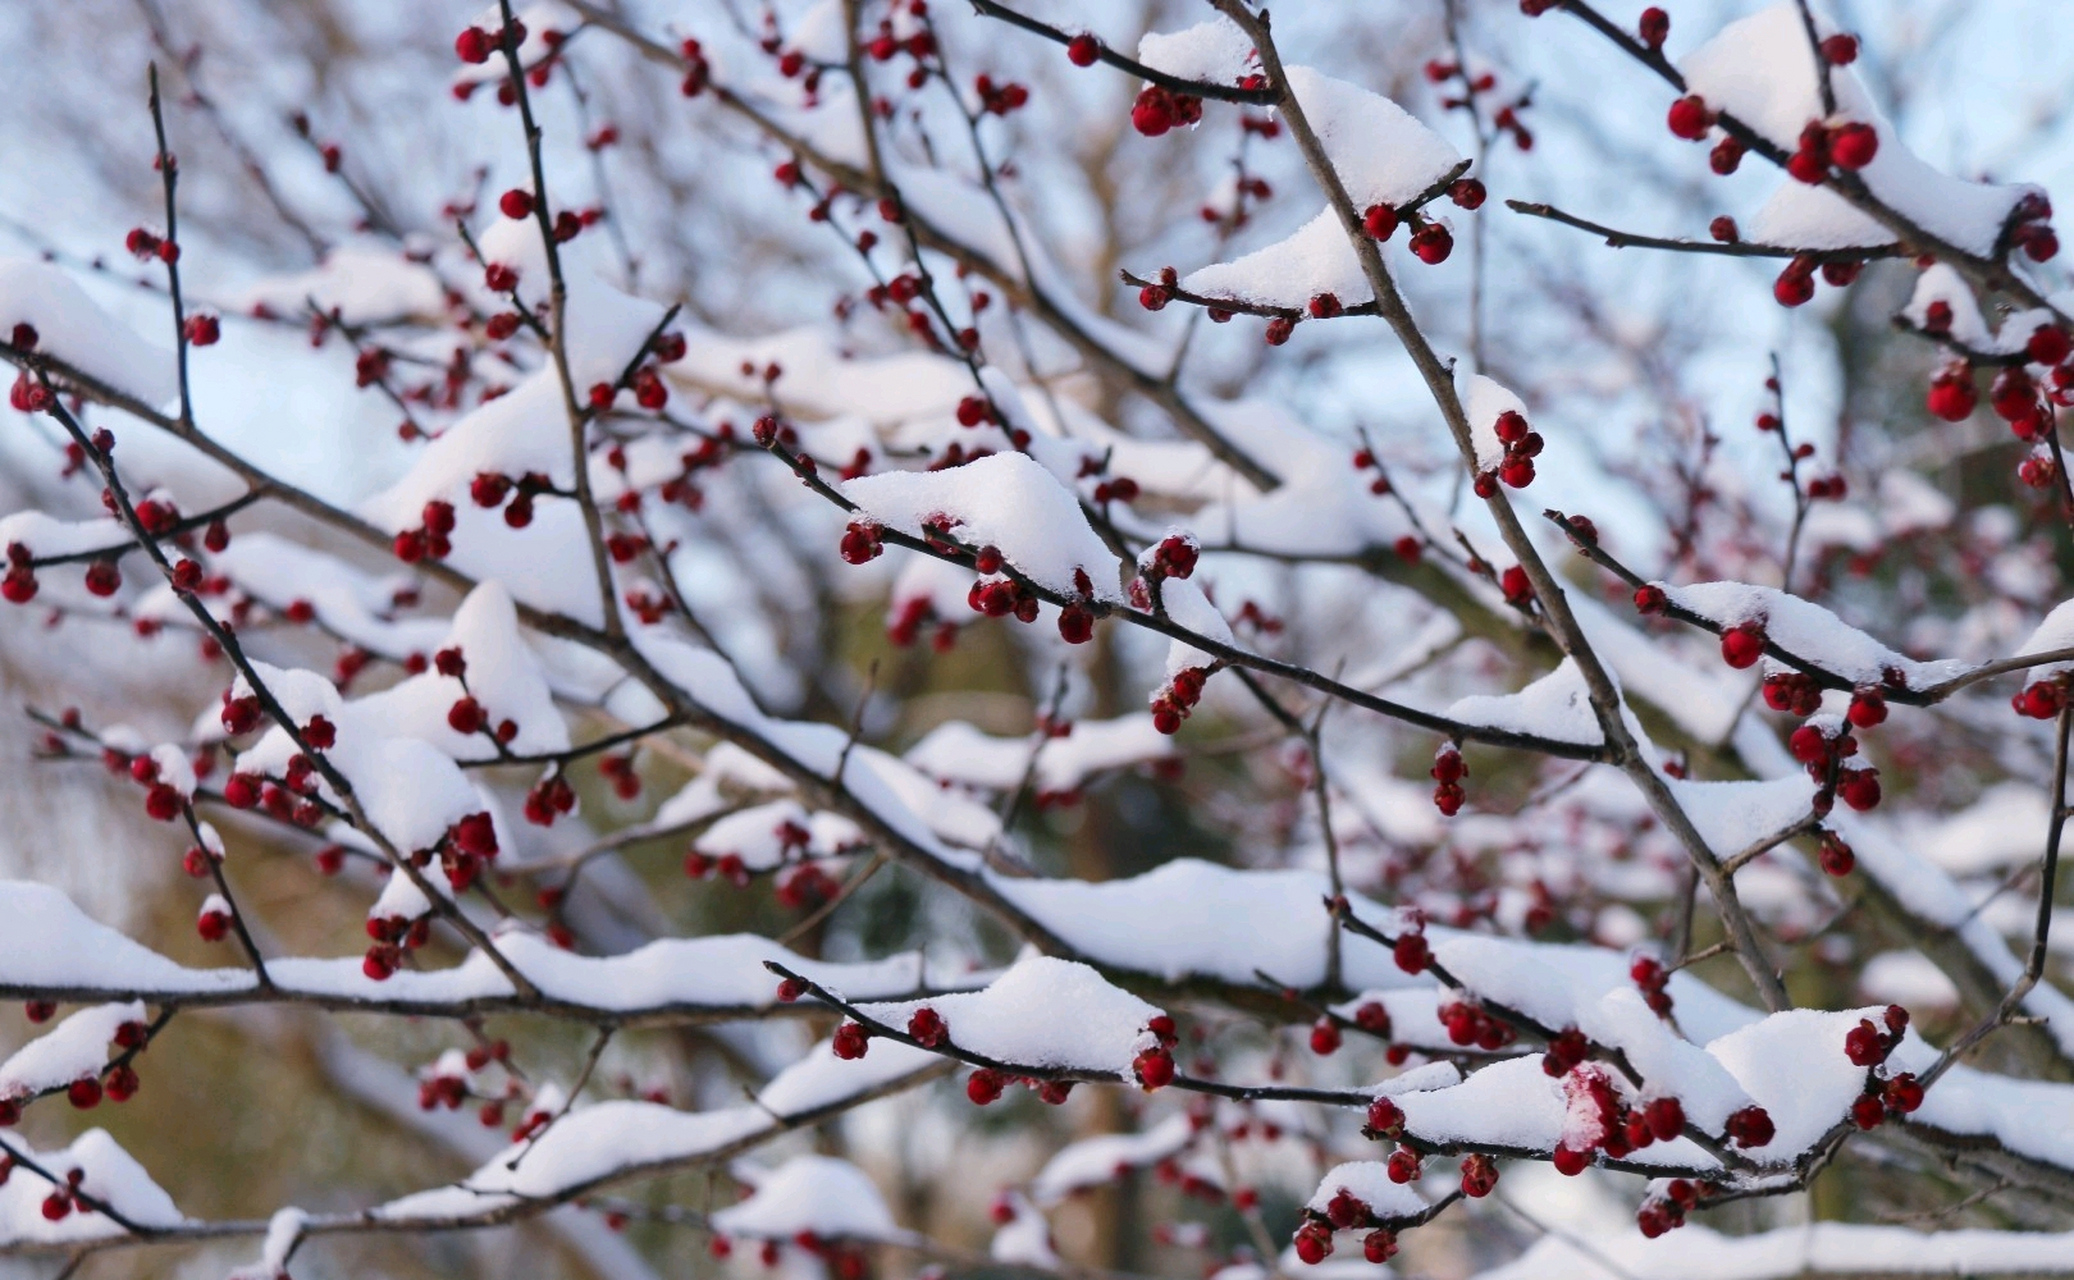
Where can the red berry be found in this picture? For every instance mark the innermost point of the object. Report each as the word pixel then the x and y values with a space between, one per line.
pixel 1479 1175
pixel 1654 27
pixel 926 1026
pixel 1859 789
pixel 1155 1068
pixel 203 331
pixel 1794 287
pixel 1570 1163
pixel 2049 344
pixel 851 1041
pixel 1076 624
pixel 1868 708
pixel 1379 1246
pixel 1380 221
pixel 84 1093
pixel 1854 145
pixel 1808 744
pixel 1385 1117
pixel 1742 646
pixel 1952 395
pixel 1867 1112
pixel 1325 1037
pixel 1403 1165
pixel 1864 1045
pixel 984 1086
pixel 473 46
pixel 1432 243
pixel 1840 50
pixel 1467 192
pixel 1313 1243
pixel 103 578
pixel 1903 1093
pixel 1154 112
pixel 1751 1127
pixel 1666 1118
pixel 1835 857
pixel 1082 50
pixel 1689 118
pixel 2039 701
pixel 1410 952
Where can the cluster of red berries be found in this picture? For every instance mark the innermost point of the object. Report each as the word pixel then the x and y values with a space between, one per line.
pixel 1666 1211
pixel 1654 981
pixel 1173 704
pixel 2040 700
pixel 806 885
pixel 985 1086
pixel 1834 856
pixel 1344 1212
pixel 1522 446
pixel 162 800
pixel 1566 1050
pixel 1245 187
pixel 1505 119
pixel 697 71
pixel 1851 145
pixel 1618 1129
pixel 1002 597
pixel 1154 297
pixel 1363 460
pixel 63 1200
pixel 1448 771
pixel 490 490
pixel 203 331
pixel 442 1089
pixel 145 246
pixel 19 584
pixel 999 99
pixel 1822 744
pixel 28 395
pixel 1159 110
pixel 470 844
pixel 650 392
pixel 475 45
pixel 548 799
pixel 291 800
pixel 1869 1046
pixel 912 615
pixel 1154 1066
pixel 1470 1024
pixel 727 866
pixel 619 771
pixel 1174 556
pixel 1796 282
pixel 393 936
pixel 1431 241
pixel 2031 227
pixel 431 538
